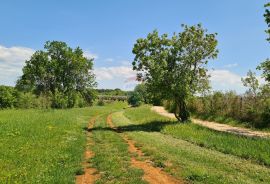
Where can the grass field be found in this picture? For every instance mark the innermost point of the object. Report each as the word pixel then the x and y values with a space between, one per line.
pixel 199 154
pixel 255 149
pixel 44 146
pixel 47 146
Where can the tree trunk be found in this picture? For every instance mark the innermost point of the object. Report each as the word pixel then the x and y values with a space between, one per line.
pixel 182 113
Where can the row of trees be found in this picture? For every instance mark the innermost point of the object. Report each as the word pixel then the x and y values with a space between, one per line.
pixel 57 77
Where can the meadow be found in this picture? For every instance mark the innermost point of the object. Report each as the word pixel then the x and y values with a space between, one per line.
pixel 44 146
pixel 47 146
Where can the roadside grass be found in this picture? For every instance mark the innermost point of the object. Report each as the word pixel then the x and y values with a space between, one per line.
pixel 229 121
pixel 255 149
pixel 112 158
pixel 44 146
pixel 186 160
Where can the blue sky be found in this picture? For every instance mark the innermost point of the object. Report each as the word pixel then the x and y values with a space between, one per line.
pixel 107 31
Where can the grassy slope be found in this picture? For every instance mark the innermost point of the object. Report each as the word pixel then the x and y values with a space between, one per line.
pixel 256 149
pixel 184 159
pixel 43 146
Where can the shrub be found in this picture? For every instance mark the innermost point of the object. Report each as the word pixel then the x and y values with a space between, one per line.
pixel 100 103
pixel 59 100
pixel 134 99
pixel 7 97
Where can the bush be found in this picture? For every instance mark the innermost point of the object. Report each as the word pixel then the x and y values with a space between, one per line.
pixel 7 97
pixel 26 101
pixel 59 100
pixel 100 103
pixel 134 99
pixel 251 111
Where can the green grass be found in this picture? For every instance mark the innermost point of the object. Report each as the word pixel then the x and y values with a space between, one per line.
pixel 256 149
pixel 200 154
pixel 112 158
pixel 44 146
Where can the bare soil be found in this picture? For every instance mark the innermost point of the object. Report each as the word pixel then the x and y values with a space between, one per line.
pixel 217 126
pixel 90 174
pixel 152 175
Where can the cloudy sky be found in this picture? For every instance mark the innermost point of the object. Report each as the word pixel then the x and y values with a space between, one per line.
pixel 107 30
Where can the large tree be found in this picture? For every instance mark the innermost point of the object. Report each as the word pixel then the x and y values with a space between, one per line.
pixel 57 69
pixel 265 66
pixel 175 68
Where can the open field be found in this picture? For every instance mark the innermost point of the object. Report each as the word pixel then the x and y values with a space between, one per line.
pixel 44 146
pixel 132 145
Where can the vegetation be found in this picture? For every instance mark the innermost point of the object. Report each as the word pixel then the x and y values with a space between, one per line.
pixel 60 73
pixel 175 68
pixel 201 136
pixel 112 158
pixel 41 146
pixel 198 158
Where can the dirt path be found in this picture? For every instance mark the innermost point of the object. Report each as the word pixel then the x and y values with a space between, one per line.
pixel 216 126
pixel 90 174
pixel 152 175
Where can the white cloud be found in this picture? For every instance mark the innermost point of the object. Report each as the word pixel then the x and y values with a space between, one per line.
pixel 14 56
pixel 90 55
pixel 227 80
pixel 126 63
pixel 231 65
pixel 109 59
pixel 12 60
pixel 108 73
pixel 225 77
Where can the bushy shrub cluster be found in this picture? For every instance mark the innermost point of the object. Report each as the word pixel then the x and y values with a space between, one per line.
pixel 252 110
pixel 10 97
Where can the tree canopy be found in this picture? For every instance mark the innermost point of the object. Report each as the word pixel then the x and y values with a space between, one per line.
pixel 175 68
pixel 265 66
pixel 58 70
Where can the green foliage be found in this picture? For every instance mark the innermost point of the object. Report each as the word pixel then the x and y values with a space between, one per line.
pixel 100 103
pixel 135 99
pixel 267 19
pixel 175 68
pixel 60 72
pixel 245 109
pixel 112 92
pixel 7 97
pixel 265 67
pixel 252 83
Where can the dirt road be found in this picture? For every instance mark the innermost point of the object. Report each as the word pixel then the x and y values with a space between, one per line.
pixel 216 126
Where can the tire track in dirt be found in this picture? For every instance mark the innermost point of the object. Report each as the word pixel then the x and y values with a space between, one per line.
pixel 90 174
pixel 152 175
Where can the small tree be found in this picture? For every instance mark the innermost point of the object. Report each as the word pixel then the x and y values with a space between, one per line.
pixel 134 99
pixel 252 83
pixel 142 91
pixel 175 68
